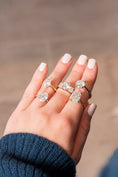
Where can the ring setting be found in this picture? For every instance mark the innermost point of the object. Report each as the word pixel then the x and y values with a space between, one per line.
pixel 76 97
pixel 47 83
pixel 43 97
pixel 82 84
pixel 66 86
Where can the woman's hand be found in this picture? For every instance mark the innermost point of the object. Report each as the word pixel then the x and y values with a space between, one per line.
pixel 60 120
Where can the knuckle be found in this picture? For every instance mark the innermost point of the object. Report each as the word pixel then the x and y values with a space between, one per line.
pixel 45 115
pixel 66 126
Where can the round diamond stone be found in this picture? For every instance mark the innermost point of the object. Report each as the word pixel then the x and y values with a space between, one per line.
pixel 75 97
pixel 80 84
pixel 43 97
pixel 47 82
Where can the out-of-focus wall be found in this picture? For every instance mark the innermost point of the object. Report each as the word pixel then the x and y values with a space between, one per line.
pixel 43 30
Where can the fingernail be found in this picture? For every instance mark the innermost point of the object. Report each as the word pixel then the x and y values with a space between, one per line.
pixel 66 58
pixel 82 59
pixel 92 109
pixel 42 66
pixel 91 63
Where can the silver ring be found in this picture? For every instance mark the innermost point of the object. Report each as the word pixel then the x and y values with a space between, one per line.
pixel 66 86
pixel 47 83
pixel 81 84
pixel 43 97
pixel 76 97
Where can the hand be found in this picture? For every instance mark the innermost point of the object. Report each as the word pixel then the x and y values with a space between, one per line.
pixel 59 120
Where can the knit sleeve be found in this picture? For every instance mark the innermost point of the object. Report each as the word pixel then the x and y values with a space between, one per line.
pixel 28 155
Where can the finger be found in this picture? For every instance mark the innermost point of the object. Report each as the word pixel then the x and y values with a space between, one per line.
pixel 74 110
pixel 77 70
pixel 56 76
pixel 61 97
pixel 82 132
pixel 33 86
pixel 89 76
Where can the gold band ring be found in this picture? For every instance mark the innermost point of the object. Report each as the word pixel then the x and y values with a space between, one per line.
pixel 47 83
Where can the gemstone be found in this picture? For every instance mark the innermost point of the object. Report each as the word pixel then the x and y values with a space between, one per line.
pixel 80 84
pixel 63 85
pixel 60 85
pixel 75 97
pixel 47 82
pixel 43 97
pixel 70 89
pixel 66 86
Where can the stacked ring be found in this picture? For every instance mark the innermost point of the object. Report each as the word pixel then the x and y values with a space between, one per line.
pixel 43 97
pixel 47 83
pixel 66 86
pixel 76 97
pixel 81 84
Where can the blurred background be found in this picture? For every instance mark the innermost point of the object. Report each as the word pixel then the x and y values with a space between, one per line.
pixel 32 31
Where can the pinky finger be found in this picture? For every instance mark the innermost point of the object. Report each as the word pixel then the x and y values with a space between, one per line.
pixel 83 131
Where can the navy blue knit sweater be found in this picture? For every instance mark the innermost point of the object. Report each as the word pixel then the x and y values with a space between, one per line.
pixel 28 155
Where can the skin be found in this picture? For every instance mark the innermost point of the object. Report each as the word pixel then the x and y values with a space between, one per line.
pixel 61 121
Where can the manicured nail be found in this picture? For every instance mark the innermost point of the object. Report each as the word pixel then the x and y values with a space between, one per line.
pixel 91 63
pixel 82 59
pixel 92 109
pixel 42 66
pixel 66 58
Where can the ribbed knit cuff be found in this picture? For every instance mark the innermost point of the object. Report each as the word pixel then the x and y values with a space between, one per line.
pixel 33 156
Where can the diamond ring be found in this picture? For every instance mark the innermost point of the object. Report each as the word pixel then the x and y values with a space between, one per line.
pixel 47 83
pixel 81 84
pixel 66 86
pixel 43 97
pixel 76 97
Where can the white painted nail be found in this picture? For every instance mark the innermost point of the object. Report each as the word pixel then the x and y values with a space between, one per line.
pixel 82 59
pixel 42 66
pixel 91 63
pixel 92 109
pixel 66 58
